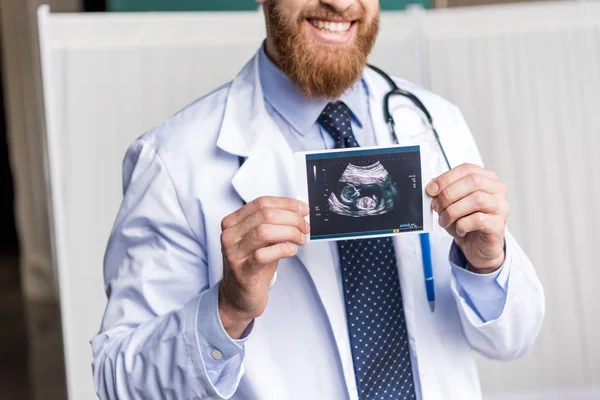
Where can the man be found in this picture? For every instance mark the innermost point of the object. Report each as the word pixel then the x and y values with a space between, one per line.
pixel 194 309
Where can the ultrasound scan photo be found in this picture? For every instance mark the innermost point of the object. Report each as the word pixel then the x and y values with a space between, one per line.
pixel 366 192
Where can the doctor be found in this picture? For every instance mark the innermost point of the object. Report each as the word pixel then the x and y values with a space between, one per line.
pixel 194 311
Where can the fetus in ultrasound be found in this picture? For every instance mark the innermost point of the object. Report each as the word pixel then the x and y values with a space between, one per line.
pixel 364 191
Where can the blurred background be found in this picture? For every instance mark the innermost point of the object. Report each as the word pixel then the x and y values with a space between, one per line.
pixel 527 77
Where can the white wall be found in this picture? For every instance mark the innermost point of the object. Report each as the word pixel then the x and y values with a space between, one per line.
pixel 110 77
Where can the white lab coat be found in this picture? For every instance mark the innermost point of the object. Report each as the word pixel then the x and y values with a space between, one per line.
pixel 164 260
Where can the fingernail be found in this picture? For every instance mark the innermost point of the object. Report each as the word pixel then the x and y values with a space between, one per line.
pixel 303 237
pixel 441 221
pixel 432 188
pixel 435 206
pixel 304 208
pixel 307 227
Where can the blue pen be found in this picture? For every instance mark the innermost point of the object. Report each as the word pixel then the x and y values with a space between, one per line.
pixel 428 269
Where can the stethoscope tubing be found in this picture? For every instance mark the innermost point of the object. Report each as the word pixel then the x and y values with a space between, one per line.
pixel 396 91
pixel 424 237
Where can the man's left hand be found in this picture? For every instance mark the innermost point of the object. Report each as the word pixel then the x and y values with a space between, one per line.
pixel 472 207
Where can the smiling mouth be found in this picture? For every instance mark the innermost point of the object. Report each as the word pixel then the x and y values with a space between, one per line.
pixel 339 27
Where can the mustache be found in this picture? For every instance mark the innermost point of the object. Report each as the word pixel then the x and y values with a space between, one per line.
pixel 324 11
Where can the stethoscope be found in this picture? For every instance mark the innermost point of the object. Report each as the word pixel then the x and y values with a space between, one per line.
pixel 396 91
pixel 425 241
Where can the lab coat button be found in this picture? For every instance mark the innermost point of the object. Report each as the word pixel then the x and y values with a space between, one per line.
pixel 216 354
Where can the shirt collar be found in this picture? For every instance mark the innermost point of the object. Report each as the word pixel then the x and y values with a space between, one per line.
pixel 294 107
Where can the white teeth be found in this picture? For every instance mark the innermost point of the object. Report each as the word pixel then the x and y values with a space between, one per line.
pixel 337 27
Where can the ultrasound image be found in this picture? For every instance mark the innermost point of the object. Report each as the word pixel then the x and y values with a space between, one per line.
pixel 364 191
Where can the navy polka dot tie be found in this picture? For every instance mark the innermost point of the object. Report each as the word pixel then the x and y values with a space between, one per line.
pixel 376 324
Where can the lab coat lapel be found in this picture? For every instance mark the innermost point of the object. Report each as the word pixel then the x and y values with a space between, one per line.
pixel 269 170
pixel 249 132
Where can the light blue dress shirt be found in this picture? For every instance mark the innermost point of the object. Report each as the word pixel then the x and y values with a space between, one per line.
pixel 296 116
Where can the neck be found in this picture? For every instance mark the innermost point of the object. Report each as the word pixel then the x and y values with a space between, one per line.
pixel 271 52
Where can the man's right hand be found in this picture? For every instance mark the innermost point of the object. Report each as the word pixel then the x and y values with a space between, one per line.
pixel 253 240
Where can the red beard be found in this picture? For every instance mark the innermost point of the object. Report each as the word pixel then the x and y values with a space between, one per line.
pixel 320 70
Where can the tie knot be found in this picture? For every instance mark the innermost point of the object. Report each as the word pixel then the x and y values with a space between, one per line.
pixel 336 120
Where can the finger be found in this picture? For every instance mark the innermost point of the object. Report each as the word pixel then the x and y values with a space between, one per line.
pixel 282 203
pixel 448 178
pixel 271 216
pixel 486 223
pixel 475 202
pixel 266 235
pixel 465 186
pixel 271 254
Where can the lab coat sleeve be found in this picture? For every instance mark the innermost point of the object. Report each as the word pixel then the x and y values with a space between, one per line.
pixel 511 333
pixel 161 325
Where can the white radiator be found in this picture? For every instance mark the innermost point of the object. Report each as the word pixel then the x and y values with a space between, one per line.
pixel 526 77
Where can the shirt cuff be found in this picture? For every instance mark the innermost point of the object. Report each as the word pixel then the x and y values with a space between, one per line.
pixel 210 328
pixel 485 293
pixel 223 356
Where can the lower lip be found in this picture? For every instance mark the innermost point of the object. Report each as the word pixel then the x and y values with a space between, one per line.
pixel 333 38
